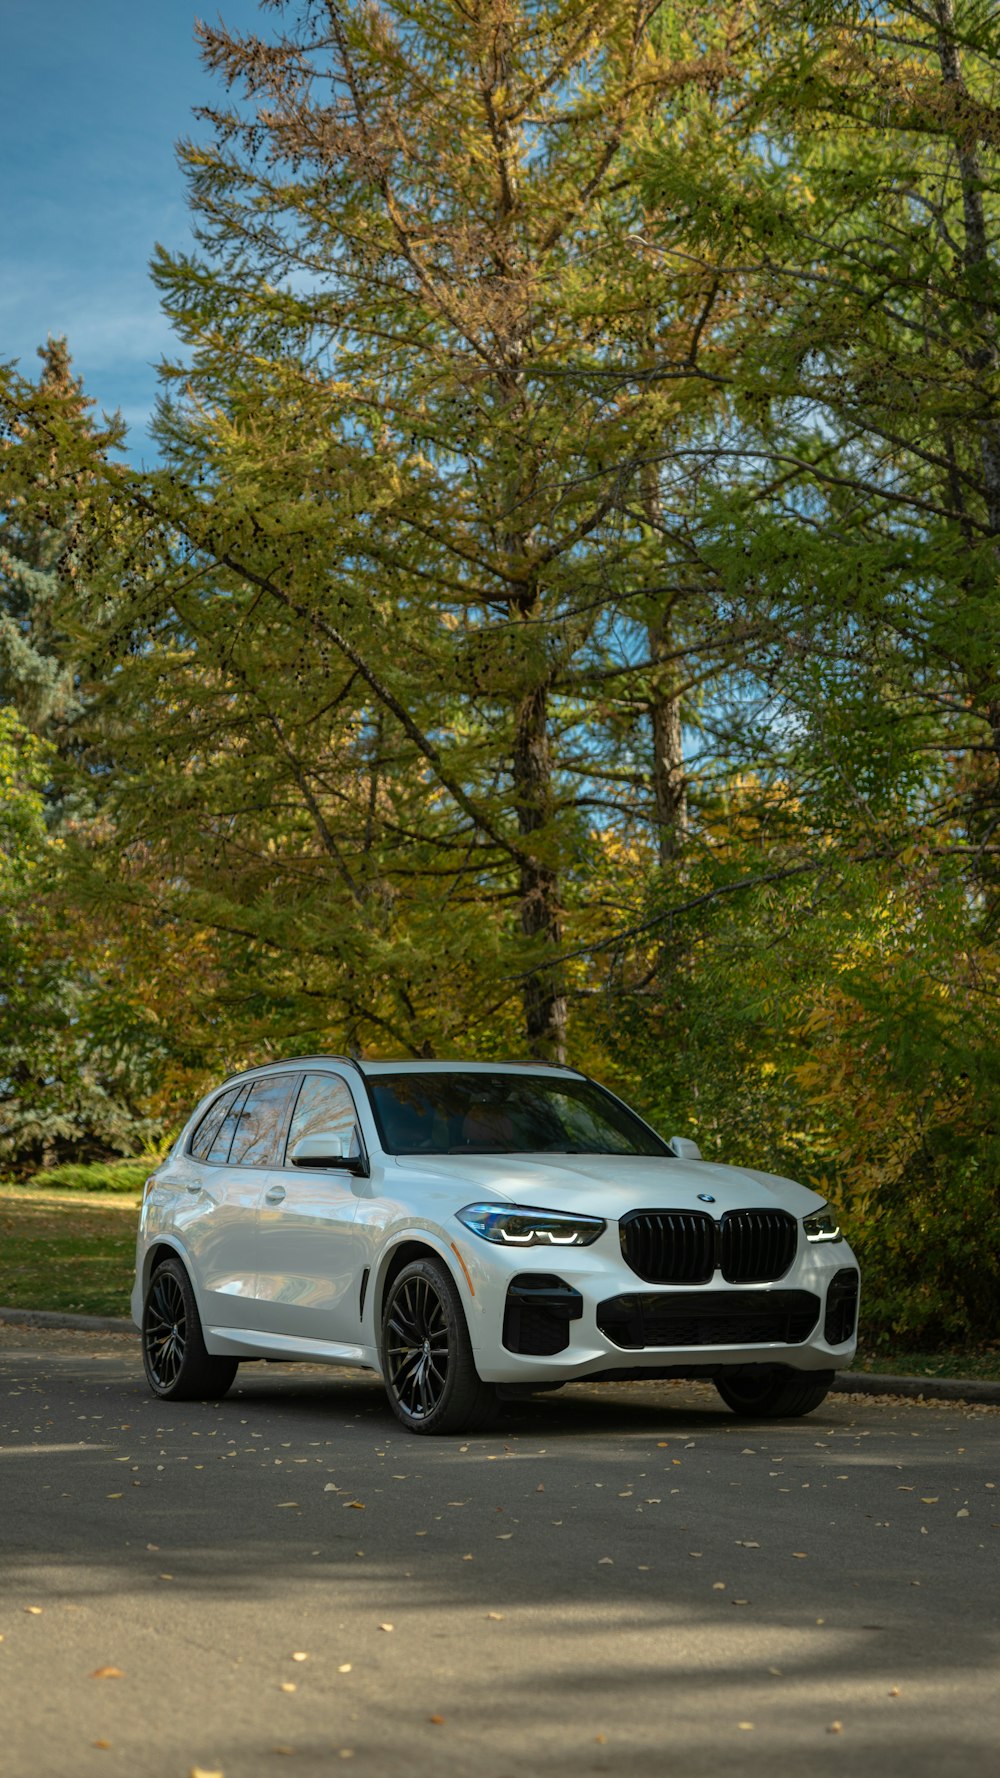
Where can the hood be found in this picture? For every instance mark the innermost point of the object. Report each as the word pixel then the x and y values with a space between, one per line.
pixel 608 1185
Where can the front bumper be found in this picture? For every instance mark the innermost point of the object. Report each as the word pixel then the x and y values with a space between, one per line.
pixel 544 1315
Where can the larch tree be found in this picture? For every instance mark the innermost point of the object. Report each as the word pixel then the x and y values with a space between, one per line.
pixel 411 593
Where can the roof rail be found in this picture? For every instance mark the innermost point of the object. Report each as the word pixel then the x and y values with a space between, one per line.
pixel 288 1061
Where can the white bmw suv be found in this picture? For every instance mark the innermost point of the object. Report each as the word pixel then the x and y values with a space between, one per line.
pixel 470 1228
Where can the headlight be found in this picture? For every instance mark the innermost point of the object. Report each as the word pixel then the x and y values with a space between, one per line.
pixel 822 1225
pixel 517 1225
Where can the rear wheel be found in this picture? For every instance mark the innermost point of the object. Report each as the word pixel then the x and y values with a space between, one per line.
pixel 427 1363
pixel 773 1395
pixel 177 1365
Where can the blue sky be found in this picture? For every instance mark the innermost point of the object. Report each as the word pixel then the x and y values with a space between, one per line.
pixel 94 94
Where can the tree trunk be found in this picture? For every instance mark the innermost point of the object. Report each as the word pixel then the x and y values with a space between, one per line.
pixel 544 1003
pixel 669 782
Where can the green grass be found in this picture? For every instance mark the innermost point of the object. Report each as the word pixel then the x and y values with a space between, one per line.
pixel 70 1252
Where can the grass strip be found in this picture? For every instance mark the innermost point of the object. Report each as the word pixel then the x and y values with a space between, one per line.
pixel 62 1251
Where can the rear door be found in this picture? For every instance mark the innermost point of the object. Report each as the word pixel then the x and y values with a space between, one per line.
pixel 308 1253
pixel 246 1142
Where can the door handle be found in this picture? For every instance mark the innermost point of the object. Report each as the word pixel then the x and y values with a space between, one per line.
pixel 274 1195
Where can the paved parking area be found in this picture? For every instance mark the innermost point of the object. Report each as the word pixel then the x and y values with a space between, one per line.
pixel 617 1580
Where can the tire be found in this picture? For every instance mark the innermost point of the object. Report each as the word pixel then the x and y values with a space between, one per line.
pixel 428 1369
pixel 177 1366
pixel 773 1395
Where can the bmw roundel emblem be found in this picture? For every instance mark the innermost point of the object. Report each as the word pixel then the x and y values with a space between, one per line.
pixel 705 1198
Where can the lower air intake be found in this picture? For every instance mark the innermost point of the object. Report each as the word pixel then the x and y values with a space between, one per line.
pixel 712 1318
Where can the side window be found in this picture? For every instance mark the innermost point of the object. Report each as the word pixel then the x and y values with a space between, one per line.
pixel 261 1122
pixel 219 1150
pixel 208 1129
pixel 323 1104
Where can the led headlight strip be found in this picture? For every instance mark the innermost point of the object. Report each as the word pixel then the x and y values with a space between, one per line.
pixel 519 1225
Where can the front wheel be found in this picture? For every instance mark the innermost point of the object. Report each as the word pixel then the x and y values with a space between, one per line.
pixel 427 1363
pixel 178 1367
pixel 773 1395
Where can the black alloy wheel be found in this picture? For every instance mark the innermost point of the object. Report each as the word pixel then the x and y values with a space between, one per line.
pixel 773 1395
pixel 427 1363
pixel 178 1367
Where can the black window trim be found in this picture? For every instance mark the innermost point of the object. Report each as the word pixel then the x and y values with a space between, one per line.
pixel 285 1164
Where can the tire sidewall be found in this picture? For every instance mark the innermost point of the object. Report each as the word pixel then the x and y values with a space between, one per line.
pixel 459 1345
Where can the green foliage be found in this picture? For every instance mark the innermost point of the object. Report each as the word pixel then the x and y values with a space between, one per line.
pixel 569 612
pixel 97 1176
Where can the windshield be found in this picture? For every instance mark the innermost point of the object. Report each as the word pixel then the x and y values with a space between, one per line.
pixel 464 1113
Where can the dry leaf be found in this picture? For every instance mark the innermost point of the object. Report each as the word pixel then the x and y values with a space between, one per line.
pixel 387 1626
pixel 894 1691
pixel 282 1750
pixel 497 1616
pixel 202 1772
pixel 800 1555
pixel 358 1505
pixel 300 1657
pixel 288 1685
pixel 33 1610
pixel 835 1728
pixel 345 1667
pixel 281 1503
pixel 744 1725
pixel 331 1488
pixel 606 1559
pixel 112 1497
pixel 929 1499
pixel 107 1673
pixel 437 1719
pixel 102 1743
pixel 962 1513
pixel 602 1739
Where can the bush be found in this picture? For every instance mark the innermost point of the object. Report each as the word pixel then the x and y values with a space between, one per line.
pixel 96 1176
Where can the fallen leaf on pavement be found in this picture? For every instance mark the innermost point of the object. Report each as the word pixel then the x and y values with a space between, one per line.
pixel 358 1505
pixel 107 1673
pixel 288 1685
pixel 203 1772
pixel 345 1667
pixel 102 1743
pixel 497 1616
pixel 438 1719
pixel 387 1626
pixel 33 1610
pixel 300 1657
pixel 835 1728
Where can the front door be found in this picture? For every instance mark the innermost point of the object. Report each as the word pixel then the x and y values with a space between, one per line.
pixel 308 1253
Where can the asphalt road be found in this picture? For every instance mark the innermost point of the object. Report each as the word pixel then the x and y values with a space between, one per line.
pixel 621 1580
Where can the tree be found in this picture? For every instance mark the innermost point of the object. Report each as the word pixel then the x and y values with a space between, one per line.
pixel 406 562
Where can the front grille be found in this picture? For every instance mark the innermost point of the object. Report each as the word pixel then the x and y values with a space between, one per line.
pixel 712 1318
pixel 687 1247
pixel 841 1307
pixel 757 1245
pixel 537 1314
pixel 669 1246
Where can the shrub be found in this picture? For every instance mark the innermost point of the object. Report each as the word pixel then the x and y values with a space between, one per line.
pixel 95 1176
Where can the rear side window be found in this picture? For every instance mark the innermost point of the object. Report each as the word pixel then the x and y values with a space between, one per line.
pixel 210 1124
pixel 219 1151
pixel 323 1104
pixel 261 1122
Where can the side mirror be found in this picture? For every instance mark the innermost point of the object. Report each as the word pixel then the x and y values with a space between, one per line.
pixel 683 1149
pixel 328 1148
